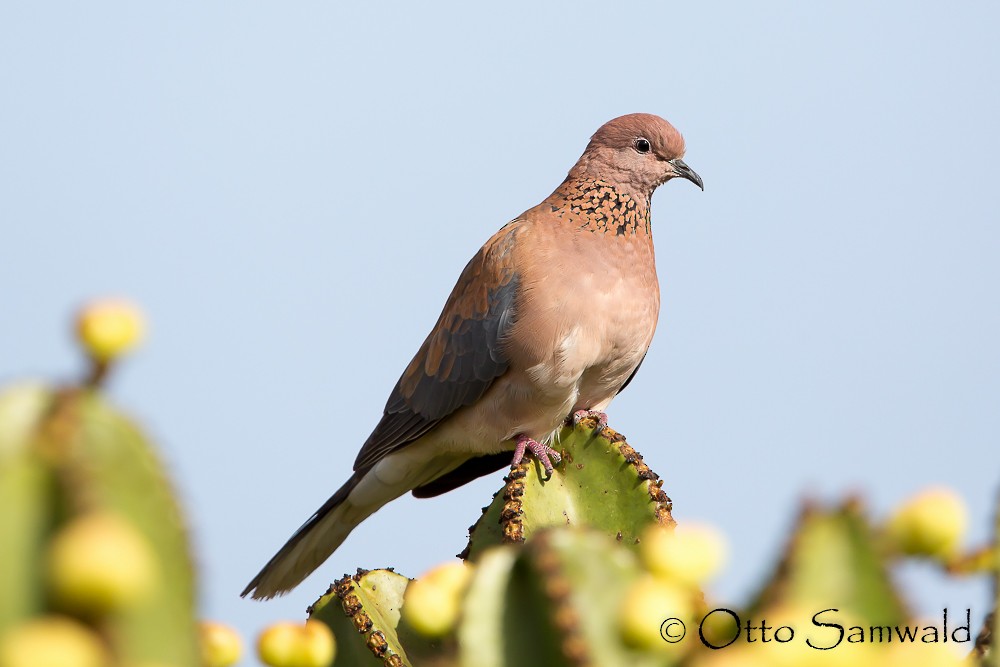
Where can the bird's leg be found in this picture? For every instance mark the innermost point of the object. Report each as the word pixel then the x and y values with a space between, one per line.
pixel 600 417
pixel 542 452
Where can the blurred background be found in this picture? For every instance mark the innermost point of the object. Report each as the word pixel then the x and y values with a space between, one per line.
pixel 291 190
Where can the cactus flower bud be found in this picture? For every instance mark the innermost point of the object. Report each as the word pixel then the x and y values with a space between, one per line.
pixel 690 554
pixel 290 644
pixel 109 328
pixel 931 523
pixel 432 603
pixel 51 641
pixel 221 645
pixel 100 563
pixel 652 607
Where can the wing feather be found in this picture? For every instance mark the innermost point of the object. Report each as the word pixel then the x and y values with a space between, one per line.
pixel 462 356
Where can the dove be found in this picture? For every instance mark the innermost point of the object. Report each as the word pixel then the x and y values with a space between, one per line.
pixel 547 323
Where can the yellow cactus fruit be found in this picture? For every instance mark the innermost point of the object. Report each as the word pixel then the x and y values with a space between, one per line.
pixel 100 563
pixel 690 554
pixel 432 603
pixel 108 328
pixel 221 645
pixel 453 576
pixel 278 645
pixel 656 614
pixel 318 646
pixel 51 641
pixel 931 523
pixel 290 644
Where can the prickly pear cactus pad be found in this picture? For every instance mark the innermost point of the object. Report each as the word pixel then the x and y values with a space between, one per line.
pixel 834 559
pixel 602 483
pixel 25 504
pixel 363 610
pixel 553 603
pixel 75 477
pixel 127 476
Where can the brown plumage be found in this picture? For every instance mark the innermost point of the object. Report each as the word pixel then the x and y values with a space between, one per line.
pixel 550 319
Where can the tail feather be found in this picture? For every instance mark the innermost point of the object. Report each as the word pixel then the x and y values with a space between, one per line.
pixel 310 545
pixel 365 492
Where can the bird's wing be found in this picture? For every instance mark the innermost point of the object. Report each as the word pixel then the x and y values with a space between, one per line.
pixel 632 376
pixel 461 357
pixel 474 468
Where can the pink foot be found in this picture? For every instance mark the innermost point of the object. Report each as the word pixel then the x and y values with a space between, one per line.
pixel 542 452
pixel 602 418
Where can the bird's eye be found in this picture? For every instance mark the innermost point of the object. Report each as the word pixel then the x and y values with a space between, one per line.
pixel 642 145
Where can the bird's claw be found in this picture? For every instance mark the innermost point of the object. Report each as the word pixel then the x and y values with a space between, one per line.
pixel 545 454
pixel 600 417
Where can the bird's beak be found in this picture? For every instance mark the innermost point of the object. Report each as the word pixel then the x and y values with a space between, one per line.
pixel 684 171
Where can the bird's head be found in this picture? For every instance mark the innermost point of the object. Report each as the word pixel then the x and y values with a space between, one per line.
pixel 638 152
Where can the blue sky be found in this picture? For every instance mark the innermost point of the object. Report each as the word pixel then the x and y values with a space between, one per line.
pixel 290 191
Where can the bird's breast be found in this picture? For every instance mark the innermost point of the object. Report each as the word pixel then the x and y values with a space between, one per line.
pixel 584 316
pixel 591 321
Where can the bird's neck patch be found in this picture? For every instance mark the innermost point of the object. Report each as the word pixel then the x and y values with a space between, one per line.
pixel 597 206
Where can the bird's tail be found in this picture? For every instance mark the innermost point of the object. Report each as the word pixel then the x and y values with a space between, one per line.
pixel 313 543
pixel 365 492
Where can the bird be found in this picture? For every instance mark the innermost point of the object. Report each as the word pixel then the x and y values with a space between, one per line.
pixel 546 324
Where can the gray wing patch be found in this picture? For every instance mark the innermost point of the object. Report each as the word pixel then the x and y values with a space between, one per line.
pixel 461 357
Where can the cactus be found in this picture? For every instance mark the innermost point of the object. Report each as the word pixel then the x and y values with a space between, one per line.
pixel 603 483
pixel 561 594
pixel 580 568
pixel 26 505
pixel 834 558
pixel 363 610
pixel 552 601
pixel 555 602
pixel 69 460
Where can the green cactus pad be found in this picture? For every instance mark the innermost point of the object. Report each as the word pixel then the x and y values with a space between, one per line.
pixel 126 476
pixel 484 607
pixel 553 603
pixel 25 504
pixel 69 454
pixel 602 483
pixel 363 610
pixel 834 560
